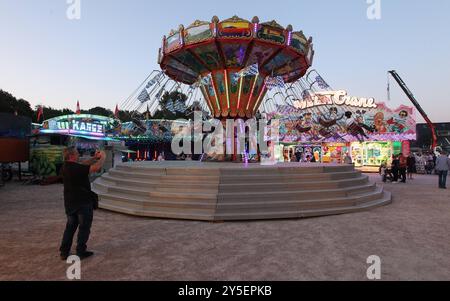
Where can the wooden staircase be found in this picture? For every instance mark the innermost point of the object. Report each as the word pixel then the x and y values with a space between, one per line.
pixel 232 191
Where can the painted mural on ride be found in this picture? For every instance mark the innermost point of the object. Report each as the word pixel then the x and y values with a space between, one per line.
pixel 334 116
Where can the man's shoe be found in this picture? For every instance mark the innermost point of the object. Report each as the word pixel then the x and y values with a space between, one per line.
pixel 64 256
pixel 85 254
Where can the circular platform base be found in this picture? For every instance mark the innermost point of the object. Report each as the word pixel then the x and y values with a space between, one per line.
pixel 235 191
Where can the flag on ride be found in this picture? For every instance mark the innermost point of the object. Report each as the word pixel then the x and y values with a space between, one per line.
pixel 40 113
pixel 153 80
pixel 249 70
pixel 160 92
pixel 273 82
pixel 321 82
pixel 78 112
pixel 116 111
pixel 206 80
pixel 169 106
pixel 306 94
pixel 180 106
pixel 143 97
pixel 235 77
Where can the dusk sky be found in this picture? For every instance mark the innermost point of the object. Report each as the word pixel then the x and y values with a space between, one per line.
pixel 100 59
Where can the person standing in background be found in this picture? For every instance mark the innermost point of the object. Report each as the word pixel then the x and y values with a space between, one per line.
pixel 403 165
pixel 442 167
pixel 411 164
pixel 298 155
pixel 348 159
pixel 395 168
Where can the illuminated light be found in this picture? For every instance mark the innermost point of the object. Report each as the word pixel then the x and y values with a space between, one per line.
pixel 289 38
pixel 253 88
pixel 215 94
pixel 226 89
pixel 255 27
pixel 259 97
pixel 205 95
pixel 72 132
pixel 240 92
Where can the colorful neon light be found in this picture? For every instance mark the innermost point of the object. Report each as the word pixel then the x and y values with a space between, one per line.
pixel 215 94
pixel 72 132
pixel 259 97
pixel 255 27
pixel 226 85
pixel 253 89
pixel 240 91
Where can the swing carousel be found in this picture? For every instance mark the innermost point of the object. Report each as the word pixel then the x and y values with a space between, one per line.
pixel 240 69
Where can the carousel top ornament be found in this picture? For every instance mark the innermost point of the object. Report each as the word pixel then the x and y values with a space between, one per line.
pixel 235 61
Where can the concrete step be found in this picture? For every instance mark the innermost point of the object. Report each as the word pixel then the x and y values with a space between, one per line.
pixel 245 187
pixel 152 185
pixel 138 202
pixel 159 214
pixel 295 194
pixel 299 204
pixel 386 199
pixel 216 191
pixel 100 186
pixel 293 186
pixel 230 175
pixel 269 177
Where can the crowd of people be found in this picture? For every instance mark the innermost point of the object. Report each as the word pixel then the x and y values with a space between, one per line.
pixel 403 167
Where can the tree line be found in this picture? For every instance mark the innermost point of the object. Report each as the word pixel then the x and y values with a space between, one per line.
pixel 10 104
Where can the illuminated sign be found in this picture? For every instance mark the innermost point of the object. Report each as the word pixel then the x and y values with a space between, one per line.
pixel 337 98
pixel 82 124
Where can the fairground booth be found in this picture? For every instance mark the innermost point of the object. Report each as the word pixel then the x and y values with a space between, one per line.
pixel 308 131
pixel 84 131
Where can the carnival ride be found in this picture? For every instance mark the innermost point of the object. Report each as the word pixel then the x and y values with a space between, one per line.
pixel 239 68
pixel 236 68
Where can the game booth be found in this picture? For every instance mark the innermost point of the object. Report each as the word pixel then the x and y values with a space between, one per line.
pixel 84 131
pixel 326 133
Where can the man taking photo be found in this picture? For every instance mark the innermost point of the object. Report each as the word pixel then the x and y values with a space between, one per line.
pixel 79 200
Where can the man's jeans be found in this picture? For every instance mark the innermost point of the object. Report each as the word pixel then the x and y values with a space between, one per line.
pixel 81 219
pixel 443 178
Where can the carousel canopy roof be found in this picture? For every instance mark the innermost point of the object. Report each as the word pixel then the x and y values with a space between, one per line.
pixel 201 48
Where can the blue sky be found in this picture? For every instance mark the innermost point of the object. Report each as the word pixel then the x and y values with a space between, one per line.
pixel 101 58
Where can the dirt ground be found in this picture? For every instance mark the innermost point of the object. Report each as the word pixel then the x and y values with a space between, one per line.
pixel 411 236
